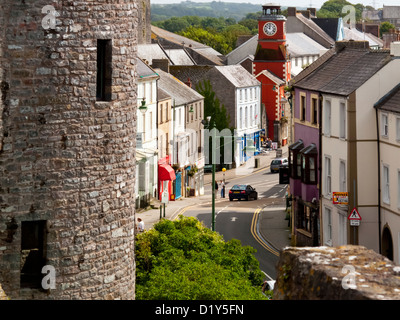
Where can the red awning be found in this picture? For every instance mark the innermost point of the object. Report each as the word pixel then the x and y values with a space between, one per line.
pixel 165 172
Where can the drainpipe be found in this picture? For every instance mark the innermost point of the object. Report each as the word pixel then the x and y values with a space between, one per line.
pixel 379 179
pixel 321 100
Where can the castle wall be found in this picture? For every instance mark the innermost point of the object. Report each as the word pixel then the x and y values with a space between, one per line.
pixel 67 160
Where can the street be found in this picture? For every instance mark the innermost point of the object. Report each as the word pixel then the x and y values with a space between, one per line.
pixel 240 219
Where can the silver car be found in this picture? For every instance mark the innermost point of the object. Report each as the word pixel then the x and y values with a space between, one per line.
pixel 276 163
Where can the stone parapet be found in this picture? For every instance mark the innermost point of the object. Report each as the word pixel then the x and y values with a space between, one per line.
pixel 340 273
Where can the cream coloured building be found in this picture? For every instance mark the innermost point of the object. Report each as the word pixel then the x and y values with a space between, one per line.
pixel 388 120
pixel 358 90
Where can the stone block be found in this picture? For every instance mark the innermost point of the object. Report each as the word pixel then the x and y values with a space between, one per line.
pixel 340 273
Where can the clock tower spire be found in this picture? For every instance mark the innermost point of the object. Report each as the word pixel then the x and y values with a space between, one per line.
pixel 271 66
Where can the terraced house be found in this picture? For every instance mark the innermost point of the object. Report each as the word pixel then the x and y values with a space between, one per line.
pixel 351 92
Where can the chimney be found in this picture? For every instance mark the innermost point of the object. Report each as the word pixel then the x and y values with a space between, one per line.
pixel 162 64
pixel 188 83
pixel 313 11
pixel 395 49
pixel 291 11
pixel 340 45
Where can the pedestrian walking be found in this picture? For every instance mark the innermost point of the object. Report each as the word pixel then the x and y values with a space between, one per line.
pixel 222 189
pixel 140 225
pixel 216 188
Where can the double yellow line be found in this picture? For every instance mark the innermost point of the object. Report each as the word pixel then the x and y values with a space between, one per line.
pixel 255 234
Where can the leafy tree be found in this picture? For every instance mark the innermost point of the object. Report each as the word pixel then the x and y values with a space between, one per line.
pixel 212 105
pixel 333 9
pixel 231 34
pixel 184 260
pixel 385 27
pixel 250 24
pixel 175 24
pixel 213 40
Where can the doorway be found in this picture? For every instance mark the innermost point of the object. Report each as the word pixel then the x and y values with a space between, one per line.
pixel 387 243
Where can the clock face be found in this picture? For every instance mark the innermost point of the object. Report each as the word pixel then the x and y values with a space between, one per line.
pixel 270 28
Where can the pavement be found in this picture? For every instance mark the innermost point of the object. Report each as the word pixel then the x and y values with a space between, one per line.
pixel 272 226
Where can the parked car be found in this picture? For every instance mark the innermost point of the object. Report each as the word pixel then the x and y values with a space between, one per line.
pixel 242 191
pixel 208 168
pixel 276 163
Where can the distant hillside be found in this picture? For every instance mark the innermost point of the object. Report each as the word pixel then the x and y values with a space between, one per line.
pixel 203 9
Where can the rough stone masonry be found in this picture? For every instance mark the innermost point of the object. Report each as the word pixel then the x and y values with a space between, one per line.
pixel 341 273
pixel 67 151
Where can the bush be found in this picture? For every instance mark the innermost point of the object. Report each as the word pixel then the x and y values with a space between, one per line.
pixel 184 260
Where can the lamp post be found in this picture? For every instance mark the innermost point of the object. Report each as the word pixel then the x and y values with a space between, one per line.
pixel 207 125
pixel 143 107
pixel 289 97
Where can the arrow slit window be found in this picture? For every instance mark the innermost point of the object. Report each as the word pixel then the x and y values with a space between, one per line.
pixel 104 70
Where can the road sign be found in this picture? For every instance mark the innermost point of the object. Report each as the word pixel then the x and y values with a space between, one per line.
pixel 355 223
pixel 340 198
pixel 354 215
pixel 164 197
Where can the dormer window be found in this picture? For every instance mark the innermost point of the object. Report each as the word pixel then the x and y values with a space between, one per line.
pixel 309 164
pixel 295 159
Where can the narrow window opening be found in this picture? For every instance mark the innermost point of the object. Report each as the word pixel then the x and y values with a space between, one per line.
pixel 33 253
pixel 104 70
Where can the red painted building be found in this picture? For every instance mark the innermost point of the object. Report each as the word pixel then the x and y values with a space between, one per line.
pixel 271 66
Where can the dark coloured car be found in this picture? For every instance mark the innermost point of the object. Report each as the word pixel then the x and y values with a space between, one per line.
pixel 242 191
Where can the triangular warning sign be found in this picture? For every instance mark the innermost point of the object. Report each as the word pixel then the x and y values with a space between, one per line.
pixel 354 215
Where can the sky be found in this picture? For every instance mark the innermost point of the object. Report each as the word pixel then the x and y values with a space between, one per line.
pixel 297 3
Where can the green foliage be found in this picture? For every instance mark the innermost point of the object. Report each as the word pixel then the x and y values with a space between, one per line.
pixel 211 39
pixel 184 260
pixel 212 106
pixel 214 9
pixel 219 33
pixel 333 9
pixel 385 27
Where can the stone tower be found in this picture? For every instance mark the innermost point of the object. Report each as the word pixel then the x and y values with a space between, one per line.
pixel 144 22
pixel 67 144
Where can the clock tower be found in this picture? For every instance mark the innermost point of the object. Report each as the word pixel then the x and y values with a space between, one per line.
pixel 271 67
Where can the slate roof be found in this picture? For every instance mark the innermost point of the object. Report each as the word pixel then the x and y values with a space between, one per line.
pixel 238 76
pixel 194 73
pixel 300 44
pixel 179 57
pixel 176 89
pixel 391 101
pixel 272 76
pixel 329 25
pixel 155 51
pixel 312 25
pixel 162 94
pixel 354 34
pixel 143 70
pixel 344 71
pixel 247 48
pixel 179 40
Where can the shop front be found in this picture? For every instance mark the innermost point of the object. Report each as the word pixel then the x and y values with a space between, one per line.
pixel 166 175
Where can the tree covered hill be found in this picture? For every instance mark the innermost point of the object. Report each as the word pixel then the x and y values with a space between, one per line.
pixel 214 9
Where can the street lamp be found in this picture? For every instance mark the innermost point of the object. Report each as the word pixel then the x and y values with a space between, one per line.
pixel 143 107
pixel 207 125
pixel 289 97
